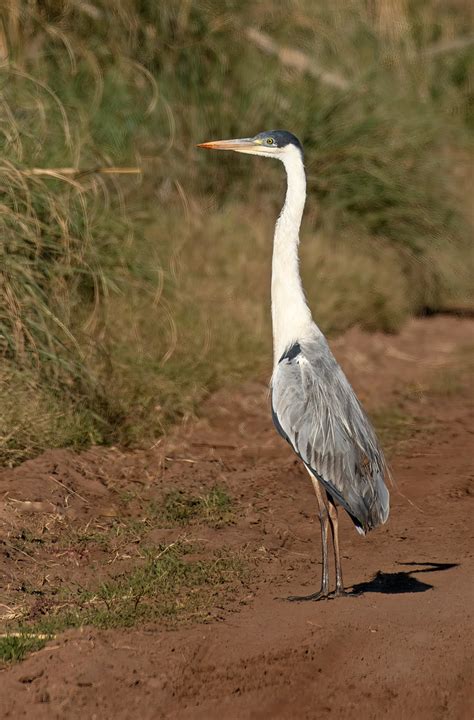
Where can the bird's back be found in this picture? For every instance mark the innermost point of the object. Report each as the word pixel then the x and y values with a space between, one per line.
pixel 316 410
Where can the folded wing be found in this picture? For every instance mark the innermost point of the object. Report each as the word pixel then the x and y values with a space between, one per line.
pixel 316 410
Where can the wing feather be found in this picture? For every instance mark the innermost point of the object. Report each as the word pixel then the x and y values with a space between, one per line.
pixel 316 410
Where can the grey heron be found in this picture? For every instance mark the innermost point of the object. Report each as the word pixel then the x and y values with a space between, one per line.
pixel 313 404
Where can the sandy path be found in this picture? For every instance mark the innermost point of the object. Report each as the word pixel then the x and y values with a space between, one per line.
pixel 401 649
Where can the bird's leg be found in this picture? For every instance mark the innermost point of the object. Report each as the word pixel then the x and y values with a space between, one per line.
pixel 324 520
pixel 334 522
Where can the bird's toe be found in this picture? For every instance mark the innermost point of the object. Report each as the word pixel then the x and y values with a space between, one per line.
pixel 342 593
pixel 314 597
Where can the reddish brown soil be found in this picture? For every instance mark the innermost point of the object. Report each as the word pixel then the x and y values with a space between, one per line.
pixel 400 649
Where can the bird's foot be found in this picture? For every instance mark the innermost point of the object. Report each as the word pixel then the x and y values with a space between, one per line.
pixel 314 597
pixel 340 592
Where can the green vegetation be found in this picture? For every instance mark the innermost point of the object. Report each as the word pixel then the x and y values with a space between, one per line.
pixel 214 508
pixel 124 299
pixel 177 509
pixel 141 581
pixel 167 585
pixel 16 646
pixel 170 583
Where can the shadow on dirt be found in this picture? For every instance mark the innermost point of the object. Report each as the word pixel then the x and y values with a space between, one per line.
pixel 401 582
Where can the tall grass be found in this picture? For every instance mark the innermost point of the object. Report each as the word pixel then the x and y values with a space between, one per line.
pixel 125 300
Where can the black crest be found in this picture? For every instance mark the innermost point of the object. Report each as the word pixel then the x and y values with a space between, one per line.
pixel 281 138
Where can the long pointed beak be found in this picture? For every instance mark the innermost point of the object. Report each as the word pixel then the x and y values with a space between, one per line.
pixel 239 145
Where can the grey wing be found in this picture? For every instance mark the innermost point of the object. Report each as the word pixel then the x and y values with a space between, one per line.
pixel 316 410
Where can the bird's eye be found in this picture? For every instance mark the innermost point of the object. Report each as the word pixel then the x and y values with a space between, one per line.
pixel 270 141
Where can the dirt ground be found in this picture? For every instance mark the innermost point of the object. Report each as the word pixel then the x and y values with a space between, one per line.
pixel 399 647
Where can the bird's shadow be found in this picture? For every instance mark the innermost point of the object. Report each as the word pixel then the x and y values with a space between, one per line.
pixel 400 582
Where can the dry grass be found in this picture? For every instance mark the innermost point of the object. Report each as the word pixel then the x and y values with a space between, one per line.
pixel 113 334
pixel 33 417
pixel 167 585
pixel 127 577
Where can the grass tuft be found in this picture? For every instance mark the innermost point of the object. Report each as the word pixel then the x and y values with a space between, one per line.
pixel 213 508
pixel 15 647
pixel 171 583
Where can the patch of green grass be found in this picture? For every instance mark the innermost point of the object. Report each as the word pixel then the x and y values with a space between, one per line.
pixel 101 538
pixel 33 417
pixel 16 647
pixel 111 537
pixel 168 585
pixel 213 508
pixel 171 583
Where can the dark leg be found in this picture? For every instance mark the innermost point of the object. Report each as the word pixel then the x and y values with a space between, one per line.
pixel 334 522
pixel 324 520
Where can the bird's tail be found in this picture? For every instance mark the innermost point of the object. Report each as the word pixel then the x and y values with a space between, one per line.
pixel 376 510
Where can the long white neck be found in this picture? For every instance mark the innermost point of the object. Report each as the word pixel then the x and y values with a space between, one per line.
pixel 291 316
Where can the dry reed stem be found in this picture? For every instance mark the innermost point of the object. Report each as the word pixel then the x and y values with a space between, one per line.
pixel 76 173
pixel 303 63
pixel 58 482
pixel 295 59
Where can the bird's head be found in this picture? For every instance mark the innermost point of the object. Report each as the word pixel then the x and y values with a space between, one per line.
pixel 278 144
